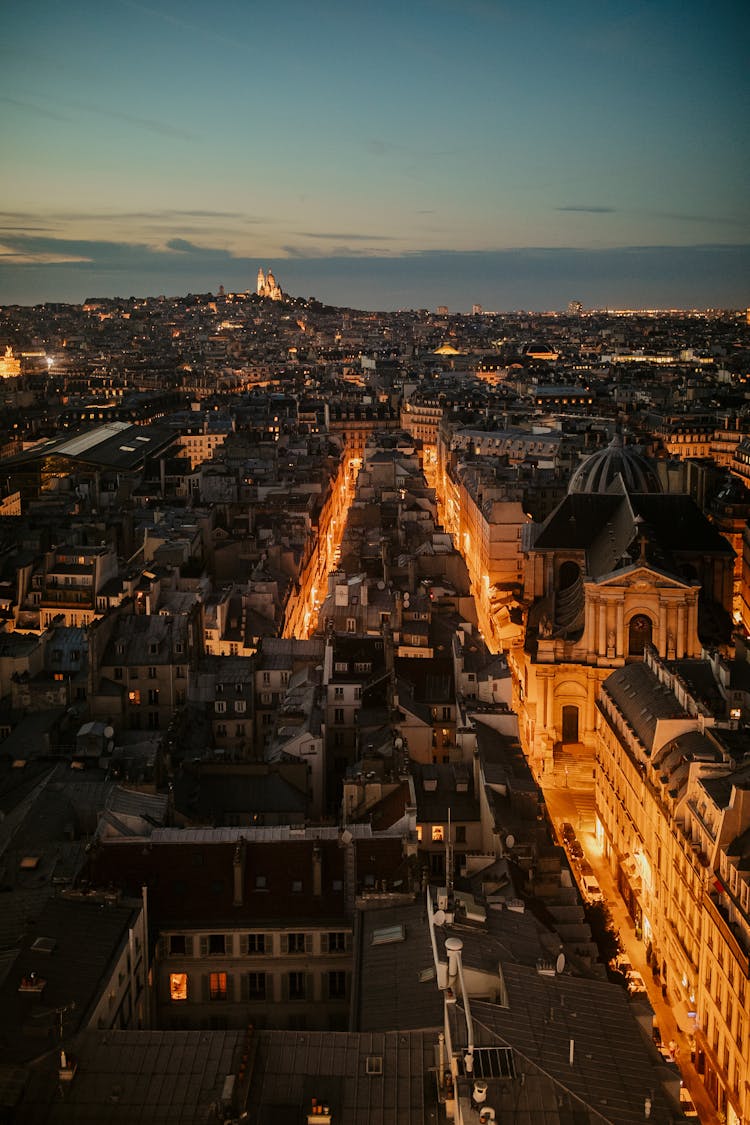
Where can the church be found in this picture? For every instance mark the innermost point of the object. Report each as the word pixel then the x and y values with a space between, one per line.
pixel 617 566
pixel 268 287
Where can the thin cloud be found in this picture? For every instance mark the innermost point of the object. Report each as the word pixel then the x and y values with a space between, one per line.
pixel 347 237
pixel 40 111
pixel 148 124
pixel 588 210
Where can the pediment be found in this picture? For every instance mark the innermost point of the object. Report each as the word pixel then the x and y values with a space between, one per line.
pixel 642 578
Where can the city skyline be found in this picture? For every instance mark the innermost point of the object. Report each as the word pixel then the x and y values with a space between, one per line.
pixel 437 154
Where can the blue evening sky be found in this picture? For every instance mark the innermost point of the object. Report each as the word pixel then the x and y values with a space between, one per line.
pixel 379 155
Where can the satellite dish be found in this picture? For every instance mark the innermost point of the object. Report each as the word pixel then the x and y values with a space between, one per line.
pixel 346 836
pixel 560 963
pixel 109 732
pixel 439 917
pixel 510 842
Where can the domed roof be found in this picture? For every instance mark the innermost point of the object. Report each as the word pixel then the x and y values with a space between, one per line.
pixel 599 471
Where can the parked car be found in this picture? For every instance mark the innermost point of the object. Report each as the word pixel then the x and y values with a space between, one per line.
pixel 635 982
pixel 591 889
pixel 687 1105
pixel 567 831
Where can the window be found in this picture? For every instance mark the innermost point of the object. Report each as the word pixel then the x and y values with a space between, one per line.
pixel 217 986
pixel 460 833
pixel 297 943
pixel 118 673
pixel 180 672
pixel 134 673
pixel 296 886
pixel 437 834
pixel 337 984
pixel 239 730
pixel 256 986
pixel 135 698
pixel 217 943
pixel 338 693
pixel 152 673
pixel 256 943
pixel 153 720
pixel 338 715
pixel 220 706
pixel 296 986
pixel 177 945
pixel 240 706
pixel 351 625
pixel 178 986
pixel 153 697
pixel 336 942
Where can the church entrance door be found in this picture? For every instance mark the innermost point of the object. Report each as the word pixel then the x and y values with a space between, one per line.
pixel 570 724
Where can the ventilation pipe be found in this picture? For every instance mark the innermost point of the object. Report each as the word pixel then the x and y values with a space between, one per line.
pixel 453 947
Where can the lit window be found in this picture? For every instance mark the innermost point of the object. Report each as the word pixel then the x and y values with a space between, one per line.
pixel 437 833
pixel 178 986
pixel 419 833
pixel 217 986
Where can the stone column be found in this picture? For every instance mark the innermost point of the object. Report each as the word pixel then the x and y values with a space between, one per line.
pixel 602 646
pixel 620 647
pixel 680 631
pixel 661 643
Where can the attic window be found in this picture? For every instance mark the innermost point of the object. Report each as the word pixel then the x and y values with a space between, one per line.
pixel 29 863
pixel 388 935
pixel 374 1064
pixel 19 763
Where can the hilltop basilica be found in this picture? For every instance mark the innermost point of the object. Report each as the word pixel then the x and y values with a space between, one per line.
pixel 267 287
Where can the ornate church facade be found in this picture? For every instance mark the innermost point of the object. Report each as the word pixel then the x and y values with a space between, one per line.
pixel 618 566
pixel 268 287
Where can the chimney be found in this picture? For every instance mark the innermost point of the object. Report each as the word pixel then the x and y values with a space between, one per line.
pixel 238 872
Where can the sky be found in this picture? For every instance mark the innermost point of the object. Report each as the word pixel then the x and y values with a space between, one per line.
pixel 378 155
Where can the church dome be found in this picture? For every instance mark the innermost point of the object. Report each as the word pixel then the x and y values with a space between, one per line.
pixel 599 471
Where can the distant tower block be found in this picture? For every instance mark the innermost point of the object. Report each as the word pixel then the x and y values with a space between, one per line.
pixel 442 310
pixel 476 310
pixel 575 308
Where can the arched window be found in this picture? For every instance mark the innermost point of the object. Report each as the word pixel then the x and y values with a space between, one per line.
pixel 639 634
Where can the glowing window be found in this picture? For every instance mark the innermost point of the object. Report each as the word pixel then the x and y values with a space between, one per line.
pixel 178 986
pixel 217 986
pixel 437 833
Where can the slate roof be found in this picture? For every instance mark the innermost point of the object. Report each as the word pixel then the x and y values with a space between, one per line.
pixel 136 1078
pixel 642 699
pixel 291 1068
pixel 86 937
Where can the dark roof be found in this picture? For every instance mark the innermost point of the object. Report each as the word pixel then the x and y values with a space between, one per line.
pixel 86 935
pixel 116 445
pixel 124 1077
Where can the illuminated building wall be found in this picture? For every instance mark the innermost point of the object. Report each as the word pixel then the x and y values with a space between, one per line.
pixel 673 817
